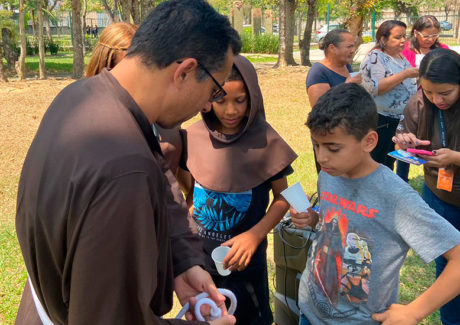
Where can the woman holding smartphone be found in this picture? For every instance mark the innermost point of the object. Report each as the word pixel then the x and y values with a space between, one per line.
pixel 432 122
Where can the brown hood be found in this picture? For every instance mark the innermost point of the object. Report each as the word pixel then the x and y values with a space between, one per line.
pixel 242 161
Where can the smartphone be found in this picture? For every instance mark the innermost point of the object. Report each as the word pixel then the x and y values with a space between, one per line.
pixel 420 152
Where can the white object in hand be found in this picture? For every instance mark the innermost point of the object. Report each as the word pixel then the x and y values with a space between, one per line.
pixel 352 74
pixel 216 312
pixel 296 197
pixel 218 255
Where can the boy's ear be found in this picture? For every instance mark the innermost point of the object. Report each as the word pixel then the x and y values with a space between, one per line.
pixel 370 141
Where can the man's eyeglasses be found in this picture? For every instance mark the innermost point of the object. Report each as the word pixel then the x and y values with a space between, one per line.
pixel 432 36
pixel 218 93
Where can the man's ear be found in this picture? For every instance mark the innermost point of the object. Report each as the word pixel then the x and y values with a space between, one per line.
pixel 185 69
pixel 370 141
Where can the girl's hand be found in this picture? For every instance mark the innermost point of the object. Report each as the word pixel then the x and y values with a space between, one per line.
pixel 409 140
pixel 442 158
pixel 304 219
pixel 243 247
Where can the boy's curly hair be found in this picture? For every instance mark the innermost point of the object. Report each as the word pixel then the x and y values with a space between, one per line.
pixel 348 106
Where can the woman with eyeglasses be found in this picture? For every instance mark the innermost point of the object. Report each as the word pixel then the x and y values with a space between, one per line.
pixel 424 37
pixel 390 79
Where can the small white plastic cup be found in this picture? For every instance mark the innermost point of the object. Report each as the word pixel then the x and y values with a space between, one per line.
pixel 218 254
pixel 352 74
pixel 296 197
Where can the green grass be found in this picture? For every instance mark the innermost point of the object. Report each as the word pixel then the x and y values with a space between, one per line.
pixel 62 63
pixel 12 273
pixel 254 58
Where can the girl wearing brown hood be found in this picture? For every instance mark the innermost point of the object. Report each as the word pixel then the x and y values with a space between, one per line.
pixel 235 158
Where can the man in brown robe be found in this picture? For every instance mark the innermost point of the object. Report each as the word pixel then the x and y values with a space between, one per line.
pixel 102 239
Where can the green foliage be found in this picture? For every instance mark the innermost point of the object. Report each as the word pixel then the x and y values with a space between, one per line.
pixel 6 21
pixel 259 43
pixel 52 47
pixel 31 48
pixel 367 39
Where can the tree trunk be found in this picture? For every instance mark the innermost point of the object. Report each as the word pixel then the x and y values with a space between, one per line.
pixel 135 12
pixel 299 26
pixel 7 48
pixel 305 43
pixel 116 16
pixel 78 62
pixel 46 21
pixel 3 75
pixel 126 6
pixel 41 41
pixel 146 7
pixel 286 33
pixel 354 25
pixel 20 68
pixel 457 28
pixel 113 17
pixel 83 25
pixel 34 28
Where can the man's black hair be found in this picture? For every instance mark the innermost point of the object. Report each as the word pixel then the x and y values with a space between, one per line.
pixel 180 29
pixel 348 106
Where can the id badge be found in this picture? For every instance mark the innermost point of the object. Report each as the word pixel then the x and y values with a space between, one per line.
pixel 445 179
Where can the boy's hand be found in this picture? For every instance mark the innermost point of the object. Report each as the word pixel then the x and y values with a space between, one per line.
pixel 243 247
pixel 396 314
pixel 409 140
pixel 304 219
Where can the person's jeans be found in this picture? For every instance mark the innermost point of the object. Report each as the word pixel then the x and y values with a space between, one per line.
pixel 450 312
pixel 303 320
pixel 402 170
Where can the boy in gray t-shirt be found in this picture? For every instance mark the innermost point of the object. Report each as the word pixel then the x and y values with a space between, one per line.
pixel 368 220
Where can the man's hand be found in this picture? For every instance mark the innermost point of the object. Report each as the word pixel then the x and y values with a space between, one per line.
pixel 226 320
pixel 243 247
pixel 194 281
pixel 398 315
pixel 304 219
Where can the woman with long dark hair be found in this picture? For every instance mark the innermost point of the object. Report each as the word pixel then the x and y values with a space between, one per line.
pixel 432 122
pixel 390 79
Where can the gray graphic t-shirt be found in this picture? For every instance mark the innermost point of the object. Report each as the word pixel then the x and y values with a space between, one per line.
pixel 366 228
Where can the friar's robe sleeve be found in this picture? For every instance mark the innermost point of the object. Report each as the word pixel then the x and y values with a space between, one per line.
pixel 120 270
pixel 187 248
